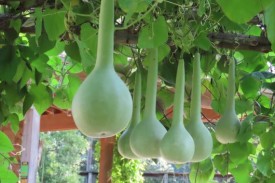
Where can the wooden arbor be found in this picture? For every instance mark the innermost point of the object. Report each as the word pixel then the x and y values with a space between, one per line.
pixel 54 119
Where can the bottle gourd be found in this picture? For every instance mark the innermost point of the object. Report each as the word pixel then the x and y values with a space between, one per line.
pixel 124 140
pixel 177 146
pixel 146 136
pixel 228 126
pixel 201 135
pixel 102 106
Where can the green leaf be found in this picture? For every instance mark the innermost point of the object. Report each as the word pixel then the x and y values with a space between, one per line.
pixel 264 161
pixel 38 23
pixel 134 6
pixel 202 171
pixel 87 58
pixel 208 62
pixel 242 172
pixel 88 36
pixel 243 105
pixel 42 96
pixel 245 132
pixel 202 41
pixel 5 144
pixel 14 120
pixel 242 11
pixel 267 139
pixel 269 15
pixel 13 94
pixel 7 176
pixel 8 63
pixel 237 156
pixel 260 127
pixel 40 64
pixel 73 85
pixel 250 86
pixel 251 61
pixel 43 45
pixel 16 24
pixel 61 99
pixel 264 101
pixel 28 101
pixel 54 23
pixel 221 163
pixel 19 72
pixel 72 51
pixel 202 8
pixel 153 35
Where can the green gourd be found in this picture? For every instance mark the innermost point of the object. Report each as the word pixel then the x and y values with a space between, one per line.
pixel 177 146
pixel 228 126
pixel 201 135
pixel 102 106
pixel 124 140
pixel 146 136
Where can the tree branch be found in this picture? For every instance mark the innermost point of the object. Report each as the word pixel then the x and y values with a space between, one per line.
pixel 240 42
pixel 220 40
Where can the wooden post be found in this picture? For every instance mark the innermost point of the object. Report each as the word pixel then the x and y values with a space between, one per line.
pixel 106 159
pixel 30 142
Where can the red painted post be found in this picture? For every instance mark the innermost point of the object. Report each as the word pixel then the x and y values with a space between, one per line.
pixel 106 159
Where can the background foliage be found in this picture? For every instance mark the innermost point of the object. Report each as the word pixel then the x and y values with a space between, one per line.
pixel 62 155
pixel 45 45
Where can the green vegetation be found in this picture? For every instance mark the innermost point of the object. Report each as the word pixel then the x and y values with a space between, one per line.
pixel 63 153
pixel 46 45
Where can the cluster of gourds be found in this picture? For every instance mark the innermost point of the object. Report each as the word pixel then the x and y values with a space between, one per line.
pixel 103 107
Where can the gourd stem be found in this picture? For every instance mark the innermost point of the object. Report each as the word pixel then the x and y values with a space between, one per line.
pixel 105 45
pixel 137 99
pixel 230 100
pixel 195 113
pixel 151 89
pixel 179 95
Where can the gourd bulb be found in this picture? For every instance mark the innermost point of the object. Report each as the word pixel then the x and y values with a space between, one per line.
pixel 228 126
pixel 102 106
pixel 124 147
pixel 146 136
pixel 201 135
pixel 177 145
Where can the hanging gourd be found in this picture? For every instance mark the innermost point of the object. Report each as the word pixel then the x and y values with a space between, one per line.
pixel 177 146
pixel 228 126
pixel 102 106
pixel 124 140
pixel 201 135
pixel 146 136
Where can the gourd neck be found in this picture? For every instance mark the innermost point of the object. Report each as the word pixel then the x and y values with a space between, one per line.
pixel 151 91
pixel 179 95
pixel 105 45
pixel 230 100
pixel 137 99
pixel 195 112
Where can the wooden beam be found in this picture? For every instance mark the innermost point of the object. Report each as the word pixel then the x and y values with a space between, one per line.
pixel 57 122
pixel 30 142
